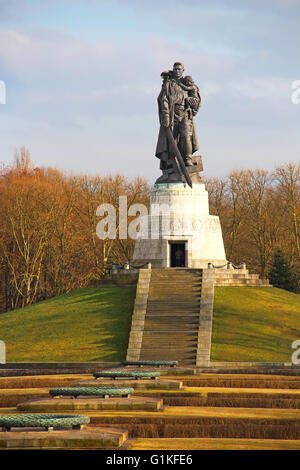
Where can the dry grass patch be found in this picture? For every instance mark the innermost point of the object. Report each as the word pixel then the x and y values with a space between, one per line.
pixel 192 414
pixel 37 381
pixel 237 402
pixel 242 381
pixel 214 444
pixel 11 396
pixel 228 391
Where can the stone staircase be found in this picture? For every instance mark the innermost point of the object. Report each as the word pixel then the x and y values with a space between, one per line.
pixel 238 278
pixel 177 319
pixel 172 318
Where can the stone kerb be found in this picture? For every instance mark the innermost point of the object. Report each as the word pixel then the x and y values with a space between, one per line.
pixel 2 352
pixel 138 317
pixel 205 318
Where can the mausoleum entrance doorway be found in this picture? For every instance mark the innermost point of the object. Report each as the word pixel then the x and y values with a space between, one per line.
pixel 177 254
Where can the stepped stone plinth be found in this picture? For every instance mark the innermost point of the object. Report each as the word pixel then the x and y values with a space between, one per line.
pixel 179 214
pixel 91 404
pixel 182 246
pixel 91 438
pixel 161 384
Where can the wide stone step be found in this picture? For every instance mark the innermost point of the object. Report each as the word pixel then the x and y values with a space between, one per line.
pixel 172 312
pixel 176 312
pixel 92 437
pixel 176 306
pixel 243 381
pixel 157 312
pixel 178 320
pixel 164 298
pixel 183 290
pixel 178 282
pixel 139 384
pixel 166 276
pixel 172 303
pixel 212 422
pixel 173 271
pixel 162 323
pixel 172 315
pixel 183 286
pixel 180 335
pixel 183 311
pixel 183 356
pixel 186 278
pixel 179 279
pixel 169 345
pixel 49 405
pixel 175 336
pixel 167 354
pixel 168 296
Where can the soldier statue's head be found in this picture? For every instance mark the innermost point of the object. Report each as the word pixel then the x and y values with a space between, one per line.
pixel 178 69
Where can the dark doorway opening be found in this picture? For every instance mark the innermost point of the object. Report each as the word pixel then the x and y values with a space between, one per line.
pixel 177 255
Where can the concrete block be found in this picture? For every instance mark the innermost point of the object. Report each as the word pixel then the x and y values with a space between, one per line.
pixel 204 345
pixel 2 352
pixel 139 317
pixel 136 336
pixel 205 317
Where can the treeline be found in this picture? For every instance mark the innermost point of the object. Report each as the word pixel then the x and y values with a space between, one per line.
pixel 259 212
pixel 48 240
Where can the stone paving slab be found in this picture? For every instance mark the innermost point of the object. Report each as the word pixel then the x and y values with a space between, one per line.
pixel 178 371
pixel 84 404
pixel 188 414
pixel 136 384
pixel 37 381
pixel 92 437
pixel 174 371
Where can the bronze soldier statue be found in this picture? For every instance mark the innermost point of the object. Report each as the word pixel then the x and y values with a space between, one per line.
pixel 178 103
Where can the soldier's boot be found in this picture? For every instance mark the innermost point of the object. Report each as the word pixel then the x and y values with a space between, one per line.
pixel 163 178
pixel 188 161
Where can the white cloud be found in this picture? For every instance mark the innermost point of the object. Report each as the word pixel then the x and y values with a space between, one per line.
pixel 265 88
pixel 68 94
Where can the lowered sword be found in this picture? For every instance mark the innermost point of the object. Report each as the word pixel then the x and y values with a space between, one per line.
pixel 175 150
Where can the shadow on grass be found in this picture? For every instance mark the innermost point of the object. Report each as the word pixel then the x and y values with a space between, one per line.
pixel 116 311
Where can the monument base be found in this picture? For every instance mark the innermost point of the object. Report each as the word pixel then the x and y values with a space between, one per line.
pixel 180 232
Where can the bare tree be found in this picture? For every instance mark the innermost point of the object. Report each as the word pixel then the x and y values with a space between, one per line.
pixel 288 178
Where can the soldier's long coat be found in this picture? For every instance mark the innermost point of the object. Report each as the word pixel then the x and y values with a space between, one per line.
pixel 166 101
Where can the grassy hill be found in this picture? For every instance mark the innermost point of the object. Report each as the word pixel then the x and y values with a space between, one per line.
pixel 88 324
pixel 92 324
pixel 254 324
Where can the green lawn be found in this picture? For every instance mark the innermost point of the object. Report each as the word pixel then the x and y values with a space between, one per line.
pixel 90 324
pixel 254 324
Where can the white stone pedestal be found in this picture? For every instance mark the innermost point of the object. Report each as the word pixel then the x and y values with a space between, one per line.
pixel 180 214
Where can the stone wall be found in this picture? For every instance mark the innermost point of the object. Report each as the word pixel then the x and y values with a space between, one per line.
pixel 205 318
pixel 138 317
pixel 123 278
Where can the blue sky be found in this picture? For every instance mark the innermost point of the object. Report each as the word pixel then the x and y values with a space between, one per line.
pixel 82 80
